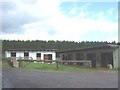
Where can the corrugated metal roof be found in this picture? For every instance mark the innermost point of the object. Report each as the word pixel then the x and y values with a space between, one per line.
pixel 91 48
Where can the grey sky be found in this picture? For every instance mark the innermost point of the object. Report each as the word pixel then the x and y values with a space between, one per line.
pixel 12 20
pixel 46 20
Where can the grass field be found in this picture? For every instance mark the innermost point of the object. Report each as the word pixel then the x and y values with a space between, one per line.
pixel 47 67
pixel 50 67
pixel 6 64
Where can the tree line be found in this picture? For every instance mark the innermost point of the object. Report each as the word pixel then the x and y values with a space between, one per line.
pixel 51 44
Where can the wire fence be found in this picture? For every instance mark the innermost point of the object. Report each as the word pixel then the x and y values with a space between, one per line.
pixel 86 63
pixel 21 62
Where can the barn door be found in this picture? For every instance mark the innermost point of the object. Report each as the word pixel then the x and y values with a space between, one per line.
pixel 106 58
pixel 48 57
pixel 92 57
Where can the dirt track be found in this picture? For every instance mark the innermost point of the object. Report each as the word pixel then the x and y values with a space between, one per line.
pixel 42 79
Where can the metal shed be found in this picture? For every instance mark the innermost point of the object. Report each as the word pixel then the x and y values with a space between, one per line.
pixel 100 56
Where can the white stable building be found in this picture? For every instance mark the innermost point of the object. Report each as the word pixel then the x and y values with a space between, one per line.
pixel 48 54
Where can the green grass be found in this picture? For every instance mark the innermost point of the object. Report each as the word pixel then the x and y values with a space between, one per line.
pixel 6 64
pixel 52 67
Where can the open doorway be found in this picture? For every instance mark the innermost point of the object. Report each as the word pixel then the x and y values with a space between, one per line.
pixel 106 58
pixel 79 56
pixel 92 57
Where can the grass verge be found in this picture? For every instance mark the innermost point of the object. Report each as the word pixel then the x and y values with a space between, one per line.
pixel 6 64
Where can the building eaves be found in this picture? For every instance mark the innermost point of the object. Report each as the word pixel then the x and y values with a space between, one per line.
pixel 31 50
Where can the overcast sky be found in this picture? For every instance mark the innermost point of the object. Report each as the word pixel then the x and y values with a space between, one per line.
pixel 59 20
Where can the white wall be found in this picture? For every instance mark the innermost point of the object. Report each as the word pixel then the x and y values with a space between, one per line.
pixel 118 58
pixel 32 54
pixel 19 54
pixel 115 58
pixel 7 54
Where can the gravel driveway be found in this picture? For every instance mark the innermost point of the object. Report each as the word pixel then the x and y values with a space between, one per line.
pixel 42 79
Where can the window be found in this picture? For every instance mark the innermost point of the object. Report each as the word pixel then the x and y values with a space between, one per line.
pixel 38 54
pixel 26 54
pixel 13 54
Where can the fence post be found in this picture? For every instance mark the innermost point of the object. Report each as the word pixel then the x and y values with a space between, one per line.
pixel 43 64
pixel 90 64
pixel 57 64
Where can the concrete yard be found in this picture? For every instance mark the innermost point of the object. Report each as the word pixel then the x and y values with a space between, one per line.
pixel 14 78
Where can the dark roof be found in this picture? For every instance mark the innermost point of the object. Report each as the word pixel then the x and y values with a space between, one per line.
pixel 91 48
pixel 31 50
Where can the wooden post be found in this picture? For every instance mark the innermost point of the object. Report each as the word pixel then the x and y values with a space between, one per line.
pixel 90 64
pixel 19 63
pixel 57 64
